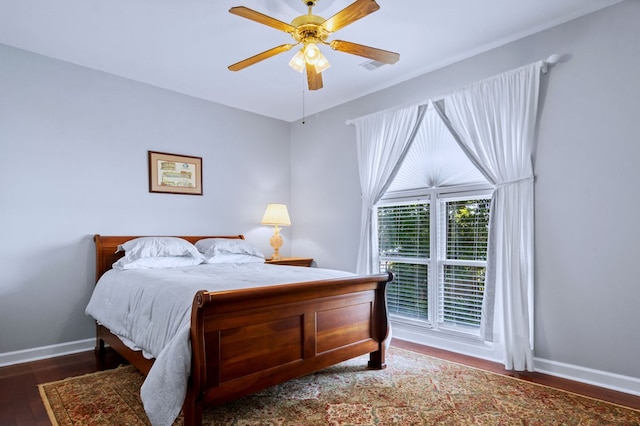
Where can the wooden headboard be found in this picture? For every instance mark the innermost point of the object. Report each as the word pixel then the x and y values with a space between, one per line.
pixel 106 246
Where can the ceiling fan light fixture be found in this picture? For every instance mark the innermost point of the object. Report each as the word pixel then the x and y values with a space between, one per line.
pixel 322 63
pixel 312 53
pixel 297 62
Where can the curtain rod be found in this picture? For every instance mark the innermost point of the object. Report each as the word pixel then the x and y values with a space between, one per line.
pixel 546 65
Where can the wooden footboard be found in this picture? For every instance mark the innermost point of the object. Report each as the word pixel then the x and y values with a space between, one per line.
pixel 247 340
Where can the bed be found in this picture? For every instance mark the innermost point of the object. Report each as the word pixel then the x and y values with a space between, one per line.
pixel 244 340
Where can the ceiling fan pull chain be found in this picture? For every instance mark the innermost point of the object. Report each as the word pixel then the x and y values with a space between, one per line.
pixel 303 121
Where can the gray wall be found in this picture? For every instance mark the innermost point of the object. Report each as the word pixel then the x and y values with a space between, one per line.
pixel 586 291
pixel 73 147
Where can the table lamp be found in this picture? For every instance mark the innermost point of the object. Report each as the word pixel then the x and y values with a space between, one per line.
pixel 277 215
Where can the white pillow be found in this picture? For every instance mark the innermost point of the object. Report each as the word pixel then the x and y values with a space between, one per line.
pixel 158 247
pixel 157 262
pixel 234 258
pixel 211 247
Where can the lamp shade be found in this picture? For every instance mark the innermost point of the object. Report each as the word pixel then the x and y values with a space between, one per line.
pixel 297 62
pixel 322 64
pixel 276 214
pixel 311 53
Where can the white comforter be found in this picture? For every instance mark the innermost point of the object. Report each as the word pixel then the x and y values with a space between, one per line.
pixel 150 310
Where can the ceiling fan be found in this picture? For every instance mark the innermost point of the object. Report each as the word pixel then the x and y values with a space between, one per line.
pixel 311 30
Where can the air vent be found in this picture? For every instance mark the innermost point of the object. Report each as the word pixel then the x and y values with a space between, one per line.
pixel 372 65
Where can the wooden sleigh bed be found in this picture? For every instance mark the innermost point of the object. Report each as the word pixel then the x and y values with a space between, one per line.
pixel 246 340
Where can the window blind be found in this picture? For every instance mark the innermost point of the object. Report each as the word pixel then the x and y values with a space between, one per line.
pixel 403 249
pixel 465 225
pixel 408 292
pixel 460 297
pixel 403 230
pixel 467 229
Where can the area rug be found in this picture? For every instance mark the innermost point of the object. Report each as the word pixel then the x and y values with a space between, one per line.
pixel 414 389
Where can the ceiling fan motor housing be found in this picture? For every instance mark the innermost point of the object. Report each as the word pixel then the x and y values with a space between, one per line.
pixel 308 28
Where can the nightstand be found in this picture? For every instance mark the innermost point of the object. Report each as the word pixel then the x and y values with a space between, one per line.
pixel 292 261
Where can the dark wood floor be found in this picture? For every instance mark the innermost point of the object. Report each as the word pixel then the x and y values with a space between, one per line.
pixel 20 402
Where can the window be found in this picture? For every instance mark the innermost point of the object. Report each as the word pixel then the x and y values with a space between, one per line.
pixel 435 244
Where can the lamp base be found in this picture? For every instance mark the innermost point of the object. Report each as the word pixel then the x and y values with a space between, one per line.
pixel 276 243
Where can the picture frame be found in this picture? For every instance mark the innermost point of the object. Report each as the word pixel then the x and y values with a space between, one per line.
pixel 174 173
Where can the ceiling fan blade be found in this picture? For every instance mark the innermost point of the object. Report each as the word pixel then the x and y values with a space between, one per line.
pixel 260 57
pixel 314 79
pixel 379 55
pixel 245 12
pixel 353 12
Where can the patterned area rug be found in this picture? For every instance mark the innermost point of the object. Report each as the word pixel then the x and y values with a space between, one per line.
pixel 414 389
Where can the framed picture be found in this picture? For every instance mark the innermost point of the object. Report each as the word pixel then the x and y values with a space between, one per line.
pixel 175 174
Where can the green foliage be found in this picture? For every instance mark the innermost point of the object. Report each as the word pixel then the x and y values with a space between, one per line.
pixel 467 229
pixel 403 230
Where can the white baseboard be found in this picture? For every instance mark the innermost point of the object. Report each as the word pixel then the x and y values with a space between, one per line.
pixel 603 379
pixel 35 354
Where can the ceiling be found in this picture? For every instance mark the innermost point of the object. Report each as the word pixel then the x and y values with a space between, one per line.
pixel 186 45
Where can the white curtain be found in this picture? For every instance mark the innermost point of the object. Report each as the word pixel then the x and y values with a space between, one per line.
pixel 382 141
pixel 494 122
